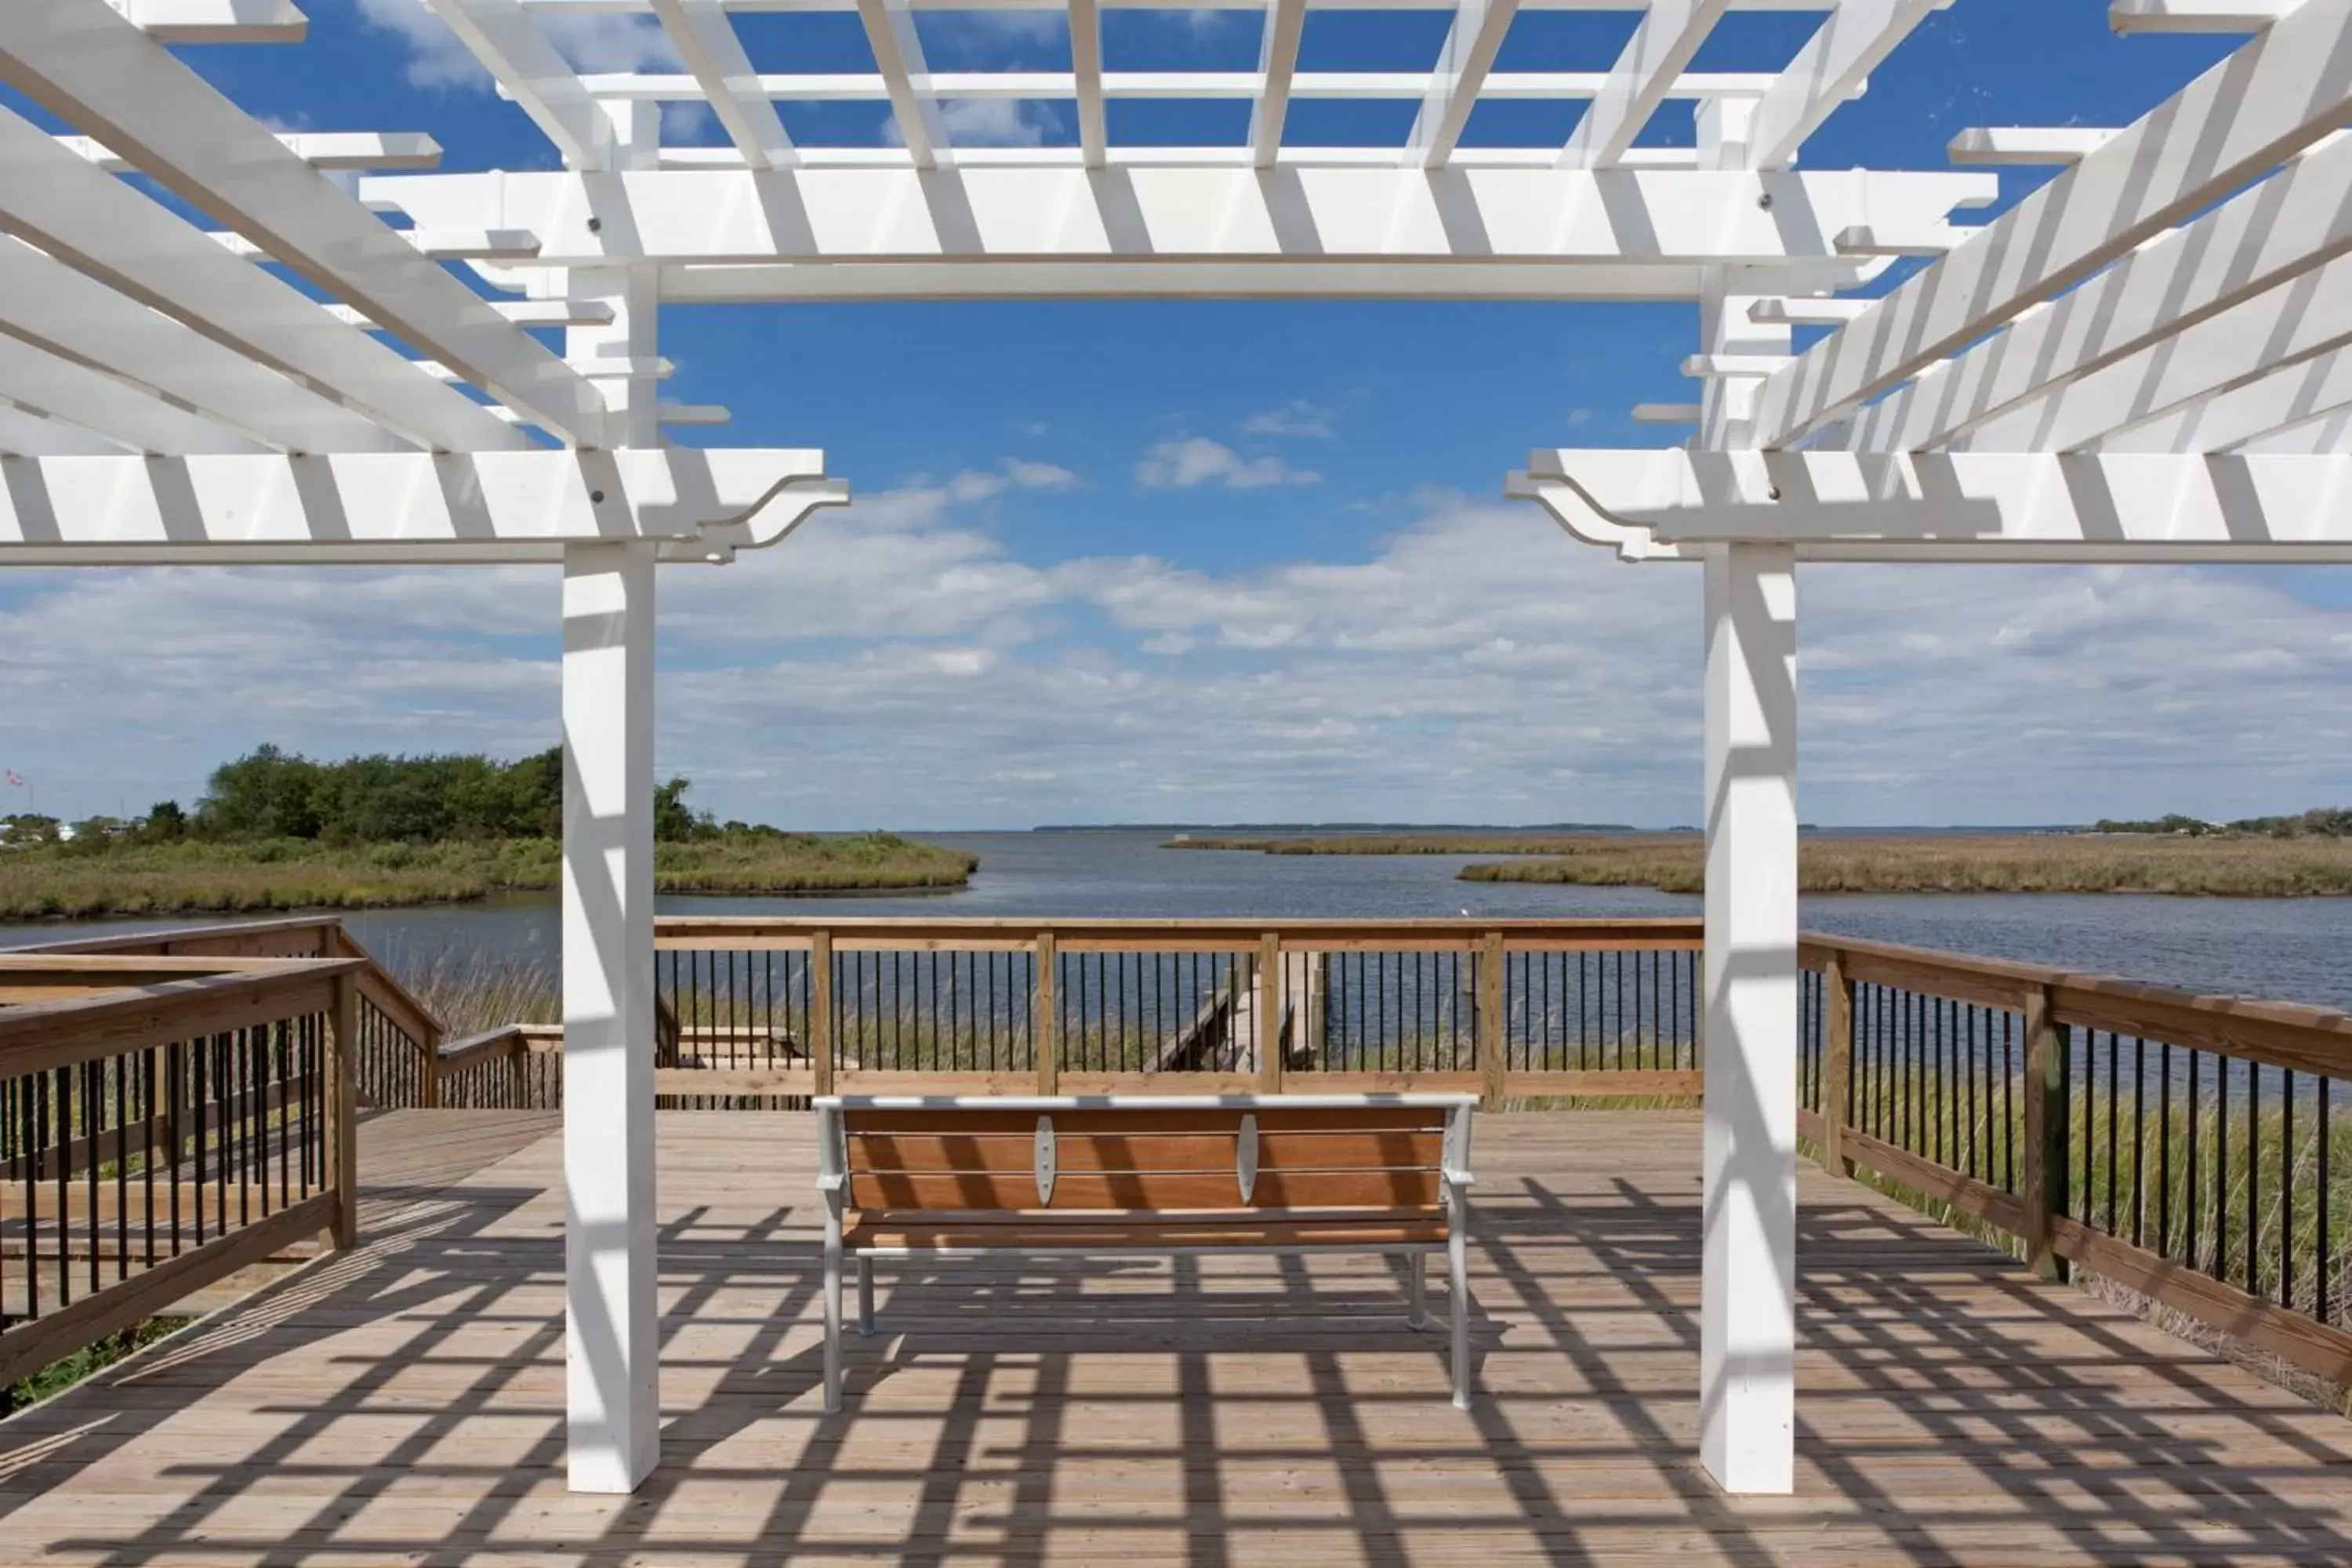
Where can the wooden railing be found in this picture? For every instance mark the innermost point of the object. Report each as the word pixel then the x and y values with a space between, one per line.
pixel 1510 1009
pixel 2189 1148
pixel 165 1120
pixel 399 1039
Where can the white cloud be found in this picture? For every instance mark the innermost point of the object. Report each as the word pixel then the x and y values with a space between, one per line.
pixel 897 664
pixel 592 41
pixel 1188 461
pixel 986 122
pixel 1297 419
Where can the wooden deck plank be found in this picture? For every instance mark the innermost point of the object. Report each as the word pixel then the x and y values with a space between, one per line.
pixel 405 1403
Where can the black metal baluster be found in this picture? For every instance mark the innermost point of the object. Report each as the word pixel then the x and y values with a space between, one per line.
pixel 2164 1152
pixel 2139 1139
pixel 63 1132
pixel 121 1169
pixel 2253 1177
pixel 147 1153
pixel 2220 1166
pixel 2189 1197
pixel 2321 1303
pixel 2286 1188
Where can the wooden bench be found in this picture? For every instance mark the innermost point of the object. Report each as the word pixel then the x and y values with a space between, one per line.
pixel 945 1177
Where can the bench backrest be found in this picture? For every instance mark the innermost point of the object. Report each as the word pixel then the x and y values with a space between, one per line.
pixel 1098 1158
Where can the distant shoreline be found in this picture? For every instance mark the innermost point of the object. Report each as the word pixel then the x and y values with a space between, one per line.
pixel 59 882
pixel 2077 862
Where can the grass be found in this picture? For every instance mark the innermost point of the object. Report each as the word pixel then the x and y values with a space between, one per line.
pixel 96 1357
pixel 2024 863
pixel 59 882
pixel 2144 1195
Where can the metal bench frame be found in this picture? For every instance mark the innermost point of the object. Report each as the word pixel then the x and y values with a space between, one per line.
pixel 832 1183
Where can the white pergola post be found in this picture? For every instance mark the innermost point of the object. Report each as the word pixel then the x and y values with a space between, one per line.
pixel 611 1313
pixel 1748 1294
pixel 612 1332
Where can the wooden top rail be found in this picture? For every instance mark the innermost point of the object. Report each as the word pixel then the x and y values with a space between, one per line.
pixel 40 1036
pixel 2277 1034
pixel 881 933
pixel 244 939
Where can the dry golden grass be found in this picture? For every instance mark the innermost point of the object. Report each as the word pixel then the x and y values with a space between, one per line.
pixel 2217 867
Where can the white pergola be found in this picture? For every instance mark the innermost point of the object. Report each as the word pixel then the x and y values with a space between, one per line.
pixel 2144 361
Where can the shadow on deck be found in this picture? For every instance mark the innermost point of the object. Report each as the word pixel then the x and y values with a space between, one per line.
pixel 405 1403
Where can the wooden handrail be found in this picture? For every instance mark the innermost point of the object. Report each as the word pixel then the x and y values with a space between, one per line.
pixel 40 1036
pixel 874 933
pixel 2276 1034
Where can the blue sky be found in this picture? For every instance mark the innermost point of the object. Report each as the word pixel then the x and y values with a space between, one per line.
pixel 1211 560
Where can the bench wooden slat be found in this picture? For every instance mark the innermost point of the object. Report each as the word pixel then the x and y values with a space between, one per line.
pixel 981 1120
pixel 872 1231
pixel 993 1190
pixel 1012 1154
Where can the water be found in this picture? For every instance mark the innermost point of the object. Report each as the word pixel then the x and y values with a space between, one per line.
pixel 2286 950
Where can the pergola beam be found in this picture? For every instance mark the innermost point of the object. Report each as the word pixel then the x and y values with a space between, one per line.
pixel 2293 323
pixel 82 62
pixel 899 57
pixel 482 505
pixel 216 21
pixel 2022 147
pixel 338 150
pixel 2285 400
pixel 33 377
pixel 2040 506
pixel 707 41
pixel 1830 69
pixel 1472 40
pixel 110 231
pixel 25 433
pixel 2298 219
pixel 1663 42
pixel 1027 215
pixel 48 304
pixel 2128 16
pixel 1086 73
pixel 2269 100
pixel 532 71
pixel 860 87
pixel 1277 67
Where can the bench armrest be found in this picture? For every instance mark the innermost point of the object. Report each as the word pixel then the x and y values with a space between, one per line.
pixel 1459 1178
pixel 832 1184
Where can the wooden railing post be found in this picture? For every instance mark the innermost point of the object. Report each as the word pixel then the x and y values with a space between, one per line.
pixel 2044 1178
pixel 342 1104
pixel 428 1073
pixel 1269 1013
pixel 1043 1018
pixel 1494 1038
pixel 823 1048
pixel 1837 1062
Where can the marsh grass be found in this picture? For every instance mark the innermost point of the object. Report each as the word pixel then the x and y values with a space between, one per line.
pixel 93 1358
pixel 2219 867
pixel 2143 1174
pixel 43 882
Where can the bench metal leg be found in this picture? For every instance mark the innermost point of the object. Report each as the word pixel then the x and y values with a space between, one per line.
pixel 1416 1274
pixel 832 1329
pixel 1458 1309
pixel 865 1296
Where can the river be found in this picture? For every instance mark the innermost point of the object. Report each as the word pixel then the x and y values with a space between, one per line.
pixel 2286 950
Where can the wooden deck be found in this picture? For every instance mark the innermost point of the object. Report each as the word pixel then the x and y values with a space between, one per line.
pixel 404 1404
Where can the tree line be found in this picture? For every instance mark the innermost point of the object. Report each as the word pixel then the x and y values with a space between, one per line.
pixel 270 792
pixel 2320 822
